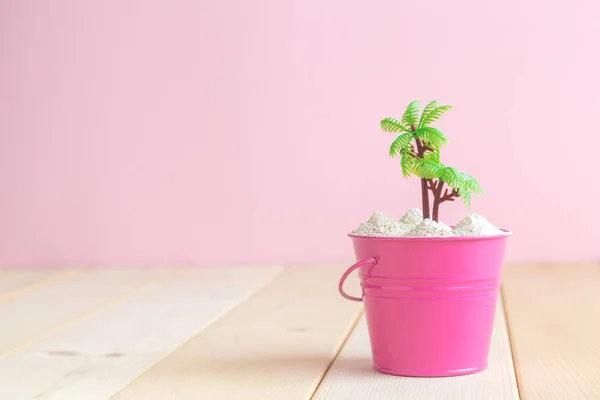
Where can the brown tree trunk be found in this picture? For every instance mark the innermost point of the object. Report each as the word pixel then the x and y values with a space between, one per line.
pixel 437 200
pixel 425 198
pixel 424 189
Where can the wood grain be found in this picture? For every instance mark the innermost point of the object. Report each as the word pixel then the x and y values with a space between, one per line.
pixel 276 345
pixel 154 334
pixel 553 314
pixel 49 309
pixel 97 357
pixel 16 283
pixel 352 376
pixel 11 280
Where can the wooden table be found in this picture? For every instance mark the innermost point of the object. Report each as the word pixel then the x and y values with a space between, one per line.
pixel 272 333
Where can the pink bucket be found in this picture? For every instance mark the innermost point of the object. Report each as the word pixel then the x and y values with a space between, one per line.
pixel 429 302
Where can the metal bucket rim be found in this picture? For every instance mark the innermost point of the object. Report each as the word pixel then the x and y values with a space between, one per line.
pixel 506 234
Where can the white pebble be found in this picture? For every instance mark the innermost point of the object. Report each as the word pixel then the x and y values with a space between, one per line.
pixel 413 217
pixel 381 225
pixel 430 228
pixel 412 224
pixel 476 225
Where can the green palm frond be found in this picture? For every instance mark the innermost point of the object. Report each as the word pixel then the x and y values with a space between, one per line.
pixel 428 108
pixel 471 184
pixel 411 115
pixel 466 196
pixel 453 178
pixel 432 137
pixel 401 143
pixel 407 161
pixel 464 184
pixel 428 169
pixel 432 156
pixel 433 115
pixel 392 125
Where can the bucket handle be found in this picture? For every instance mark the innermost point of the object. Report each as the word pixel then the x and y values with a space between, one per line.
pixel 348 272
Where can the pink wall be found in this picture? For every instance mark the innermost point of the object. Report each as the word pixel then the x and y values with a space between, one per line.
pixel 221 132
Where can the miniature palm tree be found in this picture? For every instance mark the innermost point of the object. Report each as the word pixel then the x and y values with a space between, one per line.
pixel 424 161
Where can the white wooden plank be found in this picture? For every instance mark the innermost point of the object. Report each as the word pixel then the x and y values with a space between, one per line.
pixel 352 376
pixel 553 314
pixel 16 283
pixel 11 280
pixel 42 312
pixel 97 357
pixel 275 345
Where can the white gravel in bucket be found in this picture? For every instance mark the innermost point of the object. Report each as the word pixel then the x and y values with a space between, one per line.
pixel 381 225
pixel 476 225
pixel 430 228
pixel 412 224
pixel 413 217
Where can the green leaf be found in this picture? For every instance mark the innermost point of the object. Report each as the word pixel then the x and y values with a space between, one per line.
pixel 426 168
pixel 407 161
pixel 433 115
pixel 411 115
pixel 464 184
pixel 471 184
pixel 432 137
pixel 392 125
pixel 401 143
pixel 452 177
pixel 428 108
pixel 466 196
pixel 432 156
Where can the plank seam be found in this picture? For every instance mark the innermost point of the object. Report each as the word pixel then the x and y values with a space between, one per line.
pixel 513 356
pixel 338 351
pixel 208 324
pixel 57 278
pixel 103 307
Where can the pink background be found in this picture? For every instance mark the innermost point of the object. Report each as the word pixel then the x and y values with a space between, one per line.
pixel 244 132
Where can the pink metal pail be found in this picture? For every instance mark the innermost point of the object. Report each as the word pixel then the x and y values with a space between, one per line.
pixel 429 302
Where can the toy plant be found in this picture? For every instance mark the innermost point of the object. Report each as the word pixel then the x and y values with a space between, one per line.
pixel 422 158
pixel 429 296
